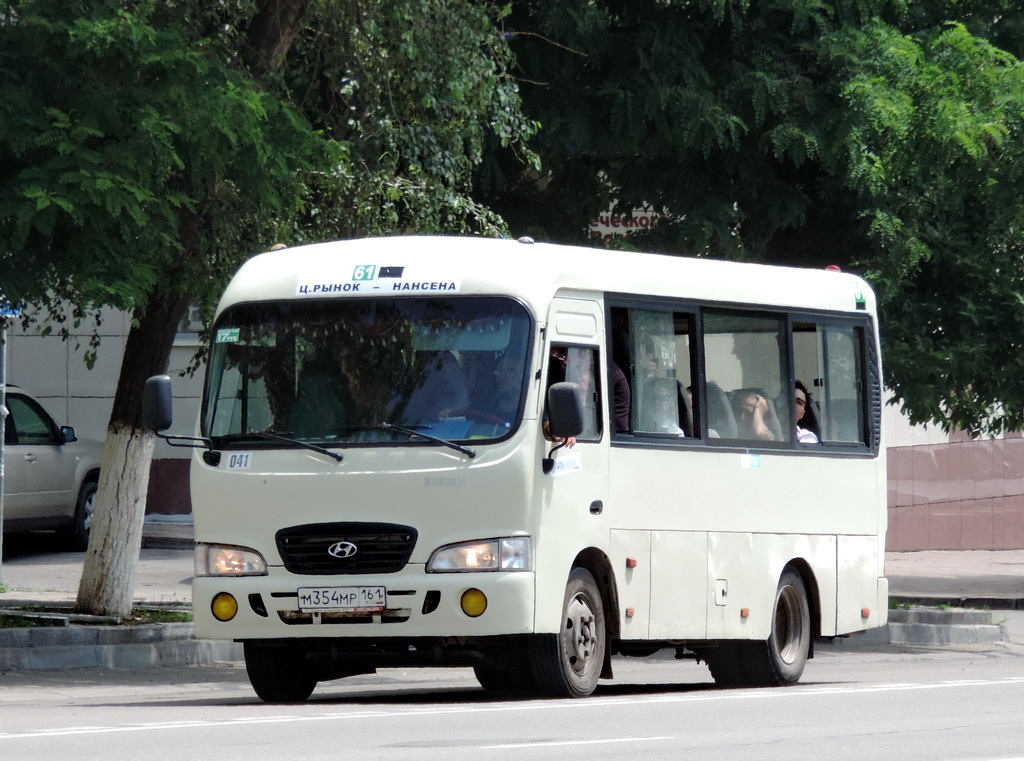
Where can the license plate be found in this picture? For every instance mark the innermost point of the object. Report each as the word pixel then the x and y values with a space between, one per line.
pixel 342 598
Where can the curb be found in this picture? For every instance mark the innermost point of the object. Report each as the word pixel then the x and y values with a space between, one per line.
pixel 931 627
pixel 143 646
pixel 167 542
pixel 981 603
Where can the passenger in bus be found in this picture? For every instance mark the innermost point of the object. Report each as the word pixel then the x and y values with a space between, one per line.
pixel 721 420
pixel 441 388
pixel 508 381
pixel 752 416
pixel 647 361
pixel 323 404
pixel 557 373
pixel 806 420
pixel 621 399
pixel 661 412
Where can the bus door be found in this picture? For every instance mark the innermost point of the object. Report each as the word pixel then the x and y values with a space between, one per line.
pixel 576 487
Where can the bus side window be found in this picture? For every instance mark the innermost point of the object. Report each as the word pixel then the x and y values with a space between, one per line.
pixel 654 351
pixel 744 355
pixel 842 400
pixel 578 364
pixel 828 358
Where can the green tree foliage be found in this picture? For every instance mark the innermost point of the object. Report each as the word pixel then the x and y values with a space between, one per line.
pixel 147 147
pixel 132 159
pixel 410 91
pixel 881 135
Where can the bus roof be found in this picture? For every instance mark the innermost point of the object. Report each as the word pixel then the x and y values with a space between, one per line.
pixel 533 272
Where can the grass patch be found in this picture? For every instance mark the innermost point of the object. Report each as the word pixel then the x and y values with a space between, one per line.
pixel 11 621
pixel 39 616
pixel 159 616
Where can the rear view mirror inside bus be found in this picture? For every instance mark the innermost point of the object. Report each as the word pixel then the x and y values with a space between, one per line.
pixel 565 410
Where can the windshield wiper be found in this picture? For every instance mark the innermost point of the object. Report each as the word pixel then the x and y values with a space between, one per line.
pixel 427 437
pixel 269 435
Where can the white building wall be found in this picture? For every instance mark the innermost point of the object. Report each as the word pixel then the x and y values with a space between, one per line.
pixel 54 371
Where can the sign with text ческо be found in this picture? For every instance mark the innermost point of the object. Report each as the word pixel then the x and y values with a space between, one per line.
pixel 376 280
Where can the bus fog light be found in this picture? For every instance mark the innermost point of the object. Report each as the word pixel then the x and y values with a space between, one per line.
pixel 474 602
pixel 224 606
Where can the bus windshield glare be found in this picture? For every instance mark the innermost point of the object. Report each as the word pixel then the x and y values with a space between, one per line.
pixel 341 372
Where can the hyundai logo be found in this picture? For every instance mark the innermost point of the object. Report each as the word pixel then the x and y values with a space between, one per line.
pixel 341 550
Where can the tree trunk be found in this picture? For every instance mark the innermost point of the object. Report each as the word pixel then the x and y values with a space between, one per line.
pixel 272 33
pixel 108 577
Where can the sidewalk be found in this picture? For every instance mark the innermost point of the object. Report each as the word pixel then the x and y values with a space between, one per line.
pixel 976 579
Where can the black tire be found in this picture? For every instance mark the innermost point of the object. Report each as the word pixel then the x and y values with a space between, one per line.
pixel 508 672
pixel 787 649
pixel 777 662
pixel 279 674
pixel 569 664
pixel 725 663
pixel 515 678
pixel 78 534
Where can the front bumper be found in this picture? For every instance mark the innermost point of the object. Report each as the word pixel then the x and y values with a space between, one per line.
pixel 418 605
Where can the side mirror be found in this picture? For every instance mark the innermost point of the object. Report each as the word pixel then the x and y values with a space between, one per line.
pixel 68 433
pixel 565 410
pixel 156 403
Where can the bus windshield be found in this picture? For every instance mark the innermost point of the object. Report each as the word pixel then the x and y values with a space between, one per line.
pixel 357 371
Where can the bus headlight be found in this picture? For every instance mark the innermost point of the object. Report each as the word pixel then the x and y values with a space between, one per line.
pixel 508 554
pixel 219 560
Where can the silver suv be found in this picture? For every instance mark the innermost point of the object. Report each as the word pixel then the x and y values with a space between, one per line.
pixel 50 476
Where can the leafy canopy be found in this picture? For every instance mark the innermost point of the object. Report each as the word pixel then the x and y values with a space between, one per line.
pixel 880 135
pixel 131 158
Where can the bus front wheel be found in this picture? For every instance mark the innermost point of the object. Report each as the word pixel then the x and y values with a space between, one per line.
pixel 569 664
pixel 279 674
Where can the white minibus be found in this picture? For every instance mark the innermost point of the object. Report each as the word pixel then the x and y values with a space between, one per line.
pixel 528 458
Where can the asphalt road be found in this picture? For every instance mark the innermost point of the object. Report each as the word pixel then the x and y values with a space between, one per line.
pixel 950 705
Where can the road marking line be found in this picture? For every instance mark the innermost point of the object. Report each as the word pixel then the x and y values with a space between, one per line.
pixel 556 743
pixel 546 705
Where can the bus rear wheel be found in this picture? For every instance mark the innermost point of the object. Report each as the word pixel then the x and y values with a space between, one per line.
pixel 279 674
pixel 789 645
pixel 569 664
pixel 778 661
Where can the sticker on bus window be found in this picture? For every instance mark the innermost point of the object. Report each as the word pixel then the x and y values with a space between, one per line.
pixel 570 463
pixel 228 336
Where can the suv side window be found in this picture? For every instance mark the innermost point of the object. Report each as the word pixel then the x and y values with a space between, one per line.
pixel 30 422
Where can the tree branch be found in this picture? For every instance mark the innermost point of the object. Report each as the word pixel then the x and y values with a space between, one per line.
pixel 272 32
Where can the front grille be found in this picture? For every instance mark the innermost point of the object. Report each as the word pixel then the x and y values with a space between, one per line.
pixel 380 547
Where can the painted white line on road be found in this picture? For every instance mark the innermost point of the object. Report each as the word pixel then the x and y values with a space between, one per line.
pixel 556 743
pixel 545 705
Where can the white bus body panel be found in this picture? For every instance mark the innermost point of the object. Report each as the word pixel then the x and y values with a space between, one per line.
pixel 710 529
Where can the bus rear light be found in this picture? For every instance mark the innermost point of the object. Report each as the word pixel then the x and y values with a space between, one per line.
pixel 744 612
pixel 631 563
pixel 865 612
